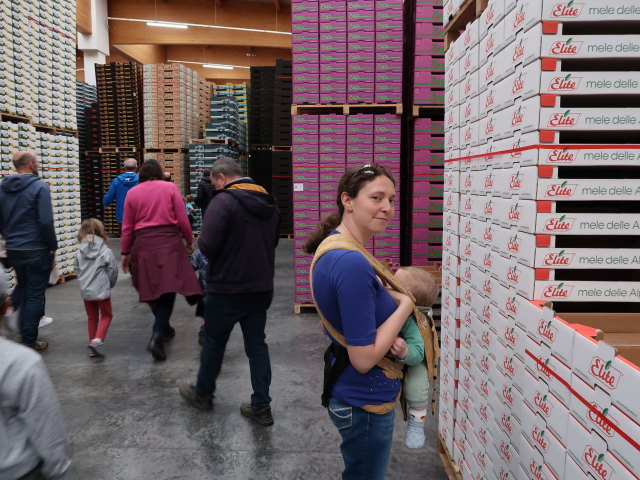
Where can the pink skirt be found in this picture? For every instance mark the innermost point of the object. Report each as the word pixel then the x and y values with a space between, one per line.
pixel 160 264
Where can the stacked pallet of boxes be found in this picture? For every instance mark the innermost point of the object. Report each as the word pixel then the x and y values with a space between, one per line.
pixel 120 110
pixel 172 116
pixel 343 53
pixel 427 161
pixel 88 140
pixel 241 93
pixel 270 135
pixel 541 200
pixel 347 52
pixel 221 140
pixel 37 105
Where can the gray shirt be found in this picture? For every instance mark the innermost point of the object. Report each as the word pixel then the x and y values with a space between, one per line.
pixel 31 424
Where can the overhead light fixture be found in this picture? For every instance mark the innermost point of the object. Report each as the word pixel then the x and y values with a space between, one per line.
pixel 213 65
pixel 185 25
pixel 167 24
pixel 209 65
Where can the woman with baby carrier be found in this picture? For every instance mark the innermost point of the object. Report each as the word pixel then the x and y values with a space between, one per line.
pixel 362 319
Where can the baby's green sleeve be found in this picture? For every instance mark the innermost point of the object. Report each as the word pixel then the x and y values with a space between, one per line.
pixel 415 345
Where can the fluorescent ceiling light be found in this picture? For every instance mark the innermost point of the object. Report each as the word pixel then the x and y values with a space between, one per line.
pixel 213 65
pixel 209 65
pixel 167 24
pixel 185 25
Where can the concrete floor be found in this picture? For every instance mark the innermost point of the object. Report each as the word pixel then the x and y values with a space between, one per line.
pixel 126 419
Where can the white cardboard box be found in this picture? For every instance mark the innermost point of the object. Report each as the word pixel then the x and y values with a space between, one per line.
pixel 538 398
pixel 597 364
pixel 567 11
pixel 590 452
pixel 616 443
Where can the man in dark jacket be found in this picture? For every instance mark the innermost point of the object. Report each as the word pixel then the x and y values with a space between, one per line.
pixel 26 223
pixel 205 192
pixel 120 186
pixel 239 237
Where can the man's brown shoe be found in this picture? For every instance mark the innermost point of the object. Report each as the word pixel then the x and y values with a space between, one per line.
pixel 39 346
pixel 262 416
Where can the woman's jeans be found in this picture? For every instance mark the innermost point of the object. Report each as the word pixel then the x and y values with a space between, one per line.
pixel 366 440
pixel 162 309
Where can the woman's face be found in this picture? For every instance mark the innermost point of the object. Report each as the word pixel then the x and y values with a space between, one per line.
pixel 373 207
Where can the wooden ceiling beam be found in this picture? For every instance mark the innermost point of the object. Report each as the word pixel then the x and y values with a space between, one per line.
pixel 227 55
pixel 137 33
pixel 143 53
pixel 239 13
pixel 83 16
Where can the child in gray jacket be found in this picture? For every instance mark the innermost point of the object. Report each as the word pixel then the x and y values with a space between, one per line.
pixel 97 273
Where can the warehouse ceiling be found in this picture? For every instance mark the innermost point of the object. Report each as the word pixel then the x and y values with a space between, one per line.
pixel 259 33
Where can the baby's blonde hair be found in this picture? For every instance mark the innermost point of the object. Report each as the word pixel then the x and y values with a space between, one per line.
pixel 91 226
pixel 422 284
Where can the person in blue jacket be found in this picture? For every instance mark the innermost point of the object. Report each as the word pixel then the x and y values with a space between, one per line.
pixel 121 185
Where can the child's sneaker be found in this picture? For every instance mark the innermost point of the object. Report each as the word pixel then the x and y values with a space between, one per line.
pixel 92 354
pixel 97 347
pixel 415 434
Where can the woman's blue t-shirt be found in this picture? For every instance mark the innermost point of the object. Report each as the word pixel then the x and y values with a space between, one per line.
pixel 355 303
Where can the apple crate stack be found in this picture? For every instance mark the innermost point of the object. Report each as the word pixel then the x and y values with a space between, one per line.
pixel 37 105
pixel 347 76
pixel 542 187
pixel 120 97
pixel 173 114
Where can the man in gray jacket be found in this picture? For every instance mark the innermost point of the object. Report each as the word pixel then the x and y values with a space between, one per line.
pixel 33 441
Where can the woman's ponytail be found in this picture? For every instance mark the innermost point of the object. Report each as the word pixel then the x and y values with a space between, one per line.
pixel 328 224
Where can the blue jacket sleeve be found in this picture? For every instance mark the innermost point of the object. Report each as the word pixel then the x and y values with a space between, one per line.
pixel 111 193
pixel 45 216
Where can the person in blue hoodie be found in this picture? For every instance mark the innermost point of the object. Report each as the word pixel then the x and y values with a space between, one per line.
pixel 121 185
pixel 26 223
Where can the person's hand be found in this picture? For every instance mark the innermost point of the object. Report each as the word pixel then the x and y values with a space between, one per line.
pixel 399 348
pixel 125 263
pixel 190 248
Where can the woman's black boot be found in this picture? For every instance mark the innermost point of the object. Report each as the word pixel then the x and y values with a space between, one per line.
pixel 156 347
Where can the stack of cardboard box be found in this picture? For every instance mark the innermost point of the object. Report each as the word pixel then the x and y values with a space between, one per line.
pixel 541 195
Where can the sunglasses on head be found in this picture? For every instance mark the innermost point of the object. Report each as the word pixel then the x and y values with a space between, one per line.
pixel 366 169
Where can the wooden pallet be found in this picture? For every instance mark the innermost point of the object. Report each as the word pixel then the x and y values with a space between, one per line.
pixel 118 149
pixel 166 150
pixel 63 278
pixel 56 131
pixel 10 117
pixel 286 236
pixel 213 141
pixel 347 108
pixel 299 308
pixel 469 11
pixel 453 471
pixel 427 110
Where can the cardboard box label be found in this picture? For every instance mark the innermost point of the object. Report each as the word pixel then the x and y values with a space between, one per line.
pixel 589 83
pixel 588 224
pixel 580 291
pixel 584 189
pixel 597 10
pixel 583 258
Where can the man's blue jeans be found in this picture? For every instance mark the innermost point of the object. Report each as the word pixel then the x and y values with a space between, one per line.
pixel 250 310
pixel 32 268
pixel 366 440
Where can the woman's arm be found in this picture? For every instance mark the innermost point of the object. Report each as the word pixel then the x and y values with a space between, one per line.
pixel 364 358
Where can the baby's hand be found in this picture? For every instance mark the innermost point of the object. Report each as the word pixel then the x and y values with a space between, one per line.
pixel 399 348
